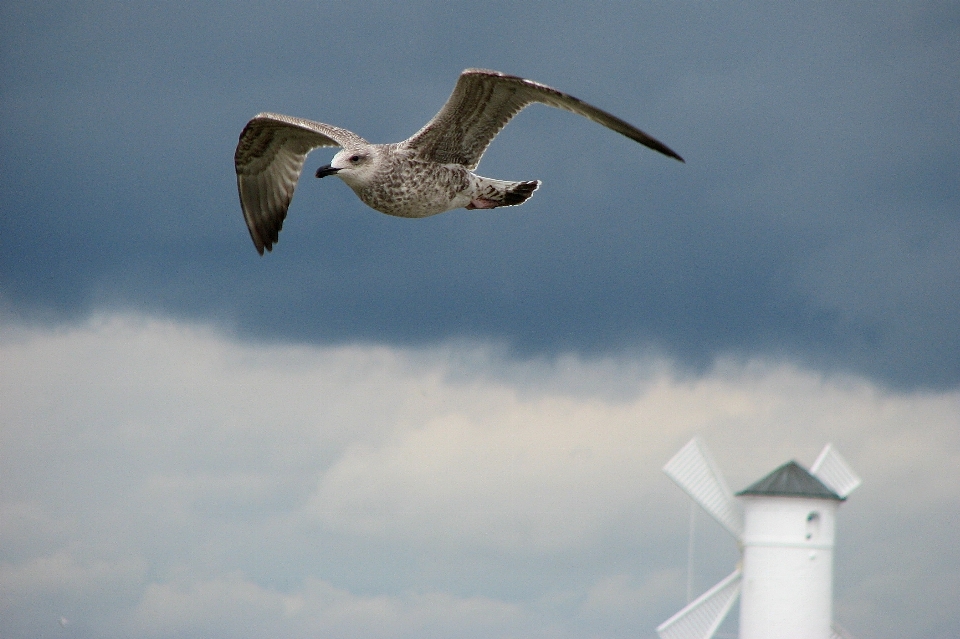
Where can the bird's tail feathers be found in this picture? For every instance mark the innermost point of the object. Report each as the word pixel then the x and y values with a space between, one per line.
pixel 494 193
pixel 519 192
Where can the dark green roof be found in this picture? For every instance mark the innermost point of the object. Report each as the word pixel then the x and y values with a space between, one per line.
pixel 791 480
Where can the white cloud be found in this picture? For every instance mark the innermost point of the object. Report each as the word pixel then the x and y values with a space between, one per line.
pixel 62 572
pixel 162 479
pixel 232 605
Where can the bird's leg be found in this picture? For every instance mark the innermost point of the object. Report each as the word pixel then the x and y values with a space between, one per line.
pixel 482 203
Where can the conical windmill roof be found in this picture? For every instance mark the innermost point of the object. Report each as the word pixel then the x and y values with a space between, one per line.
pixel 790 480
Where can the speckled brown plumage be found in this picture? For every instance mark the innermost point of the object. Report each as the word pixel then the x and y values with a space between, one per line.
pixel 429 173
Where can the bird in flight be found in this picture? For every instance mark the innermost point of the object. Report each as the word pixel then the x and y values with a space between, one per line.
pixel 429 173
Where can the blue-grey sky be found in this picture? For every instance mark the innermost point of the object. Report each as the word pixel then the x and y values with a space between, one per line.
pixel 816 217
pixel 806 255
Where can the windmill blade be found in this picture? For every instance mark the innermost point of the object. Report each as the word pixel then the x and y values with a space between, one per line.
pixel 834 472
pixel 701 617
pixel 695 472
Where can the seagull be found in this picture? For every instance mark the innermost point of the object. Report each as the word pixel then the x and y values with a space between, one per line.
pixel 429 173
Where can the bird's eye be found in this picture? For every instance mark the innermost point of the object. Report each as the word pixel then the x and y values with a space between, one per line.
pixel 355 159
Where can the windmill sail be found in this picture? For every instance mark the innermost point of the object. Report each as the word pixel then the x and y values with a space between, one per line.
pixel 834 472
pixel 702 616
pixel 694 471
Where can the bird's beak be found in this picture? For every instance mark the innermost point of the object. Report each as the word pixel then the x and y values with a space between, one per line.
pixel 326 170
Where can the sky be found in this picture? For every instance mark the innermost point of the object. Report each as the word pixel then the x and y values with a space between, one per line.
pixel 455 426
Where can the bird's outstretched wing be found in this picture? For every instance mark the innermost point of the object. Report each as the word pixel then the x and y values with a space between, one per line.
pixel 481 105
pixel 269 159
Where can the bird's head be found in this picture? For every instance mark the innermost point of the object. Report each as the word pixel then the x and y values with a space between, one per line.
pixel 355 166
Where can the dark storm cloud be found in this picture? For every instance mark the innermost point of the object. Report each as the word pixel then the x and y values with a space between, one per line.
pixel 817 216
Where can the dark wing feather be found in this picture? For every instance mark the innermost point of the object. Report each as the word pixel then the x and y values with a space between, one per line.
pixel 481 105
pixel 269 159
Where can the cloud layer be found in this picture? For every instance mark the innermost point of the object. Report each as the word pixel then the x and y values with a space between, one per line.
pixel 162 479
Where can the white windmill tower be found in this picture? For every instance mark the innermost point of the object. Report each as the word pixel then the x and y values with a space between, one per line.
pixel 784 527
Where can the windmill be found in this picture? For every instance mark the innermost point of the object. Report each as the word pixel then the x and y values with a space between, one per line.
pixel 784 527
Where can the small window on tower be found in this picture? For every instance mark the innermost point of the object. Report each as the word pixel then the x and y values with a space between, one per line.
pixel 813 524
